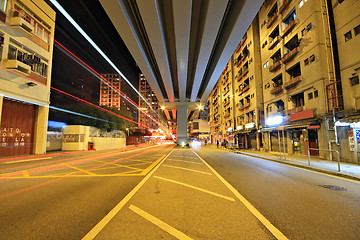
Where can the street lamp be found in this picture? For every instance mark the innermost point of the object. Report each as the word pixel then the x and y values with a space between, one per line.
pixel 127 129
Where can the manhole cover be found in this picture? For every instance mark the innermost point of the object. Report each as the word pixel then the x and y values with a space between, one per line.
pixel 333 187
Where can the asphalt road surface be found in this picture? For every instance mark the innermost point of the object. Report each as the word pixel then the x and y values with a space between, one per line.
pixel 162 192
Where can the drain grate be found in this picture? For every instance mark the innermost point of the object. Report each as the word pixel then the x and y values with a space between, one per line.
pixel 335 188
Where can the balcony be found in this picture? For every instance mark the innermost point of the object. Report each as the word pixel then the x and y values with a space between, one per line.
pixel 241 44
pixel 288 29
pixel 294 110
pixel 284 6
pixel 225 81
pixel 275 66
pixel 268 2
pixel 290 55
pixel 243 74
pixel 277 89
pixel 18 66
pixel 246 88
pixel 272 20
pixel 292 82
pixel 242 108
pixel 274 42
pixel 226 104
pixel 22 26
pixel 226 92
pixel 227 115
pixel 246 105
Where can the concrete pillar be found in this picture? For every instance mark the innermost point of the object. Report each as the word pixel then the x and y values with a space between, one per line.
pixel 181 115
pixel 41 130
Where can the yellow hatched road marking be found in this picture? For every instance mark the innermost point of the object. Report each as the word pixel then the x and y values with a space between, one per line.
pixel 98 227
pixel 164 226
pixel 197 188
pixel 119 165
pixel 26 173
pixel 79 169
pixel 187 169
pixel 148 169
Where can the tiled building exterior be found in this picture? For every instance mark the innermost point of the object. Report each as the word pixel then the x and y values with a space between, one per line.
pixel 26 49
pixel 301 66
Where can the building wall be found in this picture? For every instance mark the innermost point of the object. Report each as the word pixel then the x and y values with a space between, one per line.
pixel 295 75
pixel 27 32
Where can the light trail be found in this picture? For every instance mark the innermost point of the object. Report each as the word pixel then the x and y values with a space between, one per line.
pixel 101 77
pixel 83 33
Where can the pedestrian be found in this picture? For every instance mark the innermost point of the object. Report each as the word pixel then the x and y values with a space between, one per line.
pixel 217 143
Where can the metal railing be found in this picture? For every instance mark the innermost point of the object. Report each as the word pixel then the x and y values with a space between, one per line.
pixel 327 150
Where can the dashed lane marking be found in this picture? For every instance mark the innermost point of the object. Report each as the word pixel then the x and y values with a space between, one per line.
pixel 197 188
pixel 276 232
pixel 164 226
pixel 173 160
pixel 98 227
pixel 187 169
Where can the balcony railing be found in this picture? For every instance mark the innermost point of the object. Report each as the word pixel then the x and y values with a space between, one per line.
pixel 226 92
pixel 290 55
pixel 227 115
pixel 292 82
pixel 241 44
pixel 294 110
pixel 21 25
pixel 288 29
pixel 277 89
pixel 226 104
pixel 18 66
pixel 246 105
pixel 242 107
pixel 225 81
pixel 275 66
pixel 284 6
pixel 243 74
pixel 274 42
pixel 272 20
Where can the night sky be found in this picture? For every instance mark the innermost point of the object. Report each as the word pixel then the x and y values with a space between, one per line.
pixel 69 76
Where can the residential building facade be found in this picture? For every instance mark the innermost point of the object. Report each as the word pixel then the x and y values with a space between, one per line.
pixel 26 50
pixel 304 62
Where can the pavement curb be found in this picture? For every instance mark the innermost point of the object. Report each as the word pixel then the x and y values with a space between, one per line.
pixel 300 166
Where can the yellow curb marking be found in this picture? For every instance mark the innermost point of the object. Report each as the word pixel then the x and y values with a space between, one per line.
pixel 164 226
pixel 27 160
pixel 188 169
pixel 196 188
pixel 276 232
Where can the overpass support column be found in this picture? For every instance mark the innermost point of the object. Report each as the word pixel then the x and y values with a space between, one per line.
pixel 181 116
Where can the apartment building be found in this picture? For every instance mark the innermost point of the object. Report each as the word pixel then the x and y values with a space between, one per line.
pixel 295 81
pixel 26 50
pixel 297 68
pixel 235 103
pixel 346 24
pixel 146 91
pixel 111 98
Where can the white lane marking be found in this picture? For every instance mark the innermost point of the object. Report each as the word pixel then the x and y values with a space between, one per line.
pixel 196 188
pixel 187 169
pixel 164 226
pixel 173 160
pixel 98 227
pixel 27 160
pixel 276 232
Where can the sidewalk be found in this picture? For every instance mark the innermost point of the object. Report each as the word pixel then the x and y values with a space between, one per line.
pixel 347 170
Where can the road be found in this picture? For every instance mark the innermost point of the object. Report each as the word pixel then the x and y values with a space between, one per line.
pixel 161 192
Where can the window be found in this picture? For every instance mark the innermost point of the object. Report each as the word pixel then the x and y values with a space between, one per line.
pixel 348 36
pixel 267 85
pixel 306 61
pixel 357 30
pixel 354 80
pixel 310 96
pixel 309 27
pixel 312 58
pixel 316 93
pixel 301 3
